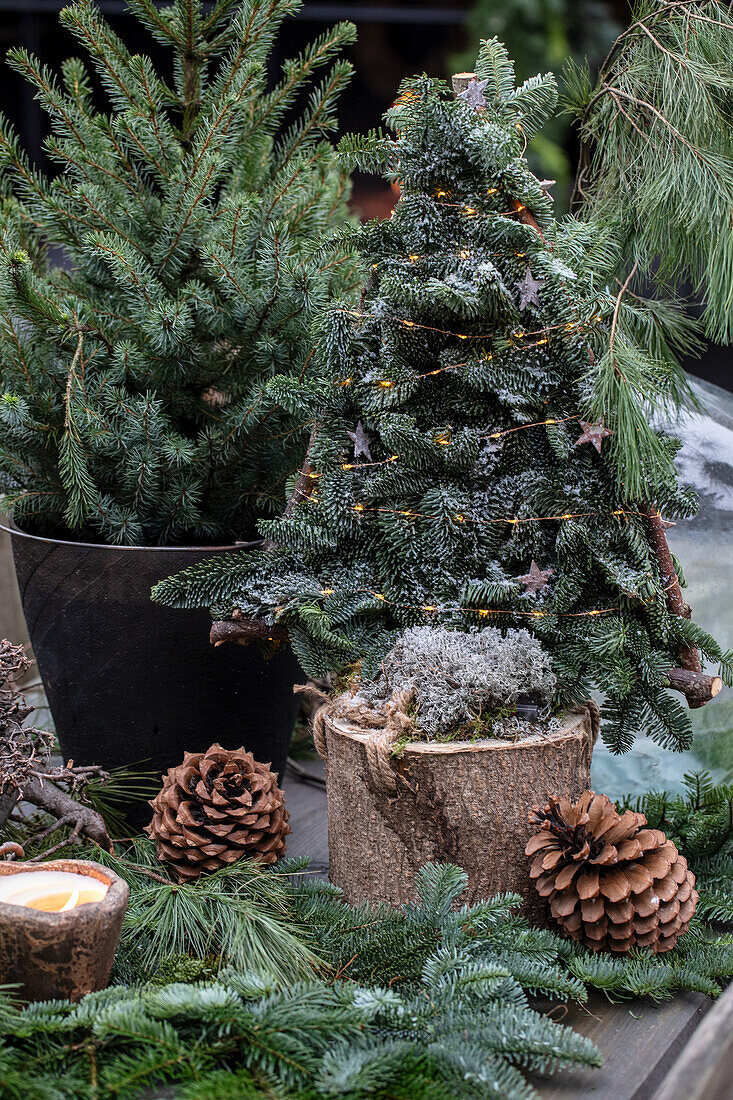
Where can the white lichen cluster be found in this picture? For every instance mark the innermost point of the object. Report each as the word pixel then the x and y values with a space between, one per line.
pixel 455 679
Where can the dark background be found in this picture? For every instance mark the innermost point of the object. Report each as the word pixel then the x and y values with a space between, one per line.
pixel 395 40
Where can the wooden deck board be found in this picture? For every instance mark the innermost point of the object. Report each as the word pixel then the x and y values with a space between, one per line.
pixel 307 805
pixel 639 1041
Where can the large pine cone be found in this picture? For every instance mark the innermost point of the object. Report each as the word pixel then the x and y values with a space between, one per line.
pixel 610 881
pixel 215 808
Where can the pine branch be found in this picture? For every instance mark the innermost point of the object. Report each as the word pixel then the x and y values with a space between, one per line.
pixel 659 90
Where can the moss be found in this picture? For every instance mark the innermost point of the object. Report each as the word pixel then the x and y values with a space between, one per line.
pixel 461 684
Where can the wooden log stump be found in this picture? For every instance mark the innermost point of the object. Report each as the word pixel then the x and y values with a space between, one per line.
pixel 457 802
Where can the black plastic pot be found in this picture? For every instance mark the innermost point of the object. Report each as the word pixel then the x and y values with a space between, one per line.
pixel 128 680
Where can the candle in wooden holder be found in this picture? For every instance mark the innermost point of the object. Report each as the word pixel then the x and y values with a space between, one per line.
pixel 51 891
pixel 59 926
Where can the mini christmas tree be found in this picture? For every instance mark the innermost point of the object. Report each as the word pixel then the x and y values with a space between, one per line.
pixel 150 291
pixel 482 449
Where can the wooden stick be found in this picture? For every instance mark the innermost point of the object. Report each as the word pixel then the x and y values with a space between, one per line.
pixel 529 219
pixel 675 599
pixel 697 687
pixel 243 631
pixel 305 483
pixel 688 655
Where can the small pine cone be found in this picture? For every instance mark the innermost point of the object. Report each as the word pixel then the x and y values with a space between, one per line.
pixel 215 808
pixel 610 881
pixel 215 398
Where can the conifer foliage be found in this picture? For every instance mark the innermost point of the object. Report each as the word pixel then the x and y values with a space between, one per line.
pixel 151 289
pixel 429 1002
pixel 656 129
pixel 482 449
pixel 699 820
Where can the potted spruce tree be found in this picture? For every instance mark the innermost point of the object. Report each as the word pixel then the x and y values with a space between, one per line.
pixel 148 293
pixel 482 456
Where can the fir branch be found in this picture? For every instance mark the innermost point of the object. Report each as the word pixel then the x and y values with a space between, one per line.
pixel 436 1006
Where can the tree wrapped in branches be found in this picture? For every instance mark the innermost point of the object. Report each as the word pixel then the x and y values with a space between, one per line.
pixel 481 451
pixel 150 290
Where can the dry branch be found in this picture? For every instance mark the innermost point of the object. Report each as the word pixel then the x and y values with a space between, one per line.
pixel 26 771
pixel 698 688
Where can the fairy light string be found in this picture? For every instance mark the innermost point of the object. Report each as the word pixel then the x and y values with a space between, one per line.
pixel 445 441
pixel 482 612
pixel 517 334
pixel 490 612
pixel 462 254
pixel 461 517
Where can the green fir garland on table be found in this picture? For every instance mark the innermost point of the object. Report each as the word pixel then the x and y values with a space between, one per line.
pixel 150 291
pixel 483 449
pixel 426 1002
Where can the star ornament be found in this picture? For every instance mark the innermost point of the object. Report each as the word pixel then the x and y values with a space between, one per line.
pixel 536 579
pixel 593 433
pixel 529 290
pixel 473 94
pixel 361 442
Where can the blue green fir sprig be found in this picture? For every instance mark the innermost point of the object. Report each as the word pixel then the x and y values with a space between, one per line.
pixel 431 1000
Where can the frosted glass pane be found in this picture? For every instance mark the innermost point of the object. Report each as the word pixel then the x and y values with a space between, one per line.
pixel 704 545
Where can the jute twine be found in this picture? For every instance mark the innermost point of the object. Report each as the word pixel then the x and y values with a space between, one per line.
pixel 385 727
pixel 595 717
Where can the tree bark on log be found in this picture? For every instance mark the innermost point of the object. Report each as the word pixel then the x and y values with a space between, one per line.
pixel 457 802
pixel 697 687
pixel 696 693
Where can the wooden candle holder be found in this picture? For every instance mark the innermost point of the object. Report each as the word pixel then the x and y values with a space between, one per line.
pixel 61 955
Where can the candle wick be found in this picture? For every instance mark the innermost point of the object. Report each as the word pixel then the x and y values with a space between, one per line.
pixel 71 903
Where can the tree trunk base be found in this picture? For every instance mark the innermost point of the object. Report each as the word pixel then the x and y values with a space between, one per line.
pixel 461 802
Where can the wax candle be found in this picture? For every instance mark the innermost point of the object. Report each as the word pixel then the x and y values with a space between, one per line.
pixel 51 891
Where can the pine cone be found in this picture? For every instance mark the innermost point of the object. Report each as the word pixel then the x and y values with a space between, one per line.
pixel 610 881
pixel 216 808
